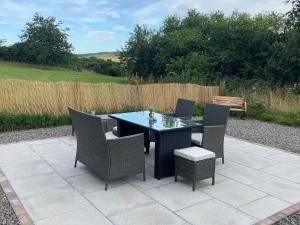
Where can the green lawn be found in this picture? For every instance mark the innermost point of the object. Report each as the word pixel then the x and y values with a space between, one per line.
pixel 29 72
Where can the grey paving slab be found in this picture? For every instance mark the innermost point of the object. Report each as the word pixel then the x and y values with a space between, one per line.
pixel 63 156
pixel 18 158
pixel 84 216
pixel 53 203
pixel 38 184
pixel 87 183
pixel 68 170
pixel 254 182
pixel 43 141
pixel 26 169
pixel 176 196
pixel 244 174
pixel 50 148
pixel 148 215
pixel 151 182
pixel 285 171
pixel 214 212
pixel 264 207
pixel 233 193
pixel 253 161
pixel 118 199
pixel 281 188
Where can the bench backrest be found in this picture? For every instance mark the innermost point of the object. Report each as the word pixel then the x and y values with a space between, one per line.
pixel 229 101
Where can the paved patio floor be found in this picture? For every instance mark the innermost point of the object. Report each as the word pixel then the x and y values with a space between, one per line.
pixel 255 182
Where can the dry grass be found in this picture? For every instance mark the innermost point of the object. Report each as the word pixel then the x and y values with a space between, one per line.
pixel 276 100
pixel 35 97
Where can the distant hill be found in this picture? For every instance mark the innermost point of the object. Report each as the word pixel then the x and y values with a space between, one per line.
pixel 113 56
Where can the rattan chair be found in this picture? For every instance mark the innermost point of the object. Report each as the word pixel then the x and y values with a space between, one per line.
pixel 213 129
pixel 109 158
pixel 184 109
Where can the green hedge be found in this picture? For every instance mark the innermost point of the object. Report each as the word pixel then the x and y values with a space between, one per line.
pixel 10 122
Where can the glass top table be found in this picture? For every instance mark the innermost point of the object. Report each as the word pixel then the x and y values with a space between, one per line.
pixel 160 124
pixel 169 133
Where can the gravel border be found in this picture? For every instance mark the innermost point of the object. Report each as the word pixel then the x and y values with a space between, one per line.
pixel 290 220
pixel 7 214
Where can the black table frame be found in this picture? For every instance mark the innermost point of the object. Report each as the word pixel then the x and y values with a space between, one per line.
pixel 166 141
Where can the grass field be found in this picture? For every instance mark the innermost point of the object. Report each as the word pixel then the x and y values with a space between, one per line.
pixel 113 56
pixel 29 72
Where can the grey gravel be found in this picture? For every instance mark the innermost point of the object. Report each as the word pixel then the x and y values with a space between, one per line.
pixel 7 215
pixel 290 220
pixel 278 136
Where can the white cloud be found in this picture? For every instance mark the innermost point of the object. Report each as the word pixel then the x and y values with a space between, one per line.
pixel 3 14
pixel 153 13
pixel 78 2
pixel 121 28
pixel 93 20
pixel 100 35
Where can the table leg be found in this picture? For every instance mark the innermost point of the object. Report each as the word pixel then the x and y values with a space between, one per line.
pixel 165 144
pixel 126 129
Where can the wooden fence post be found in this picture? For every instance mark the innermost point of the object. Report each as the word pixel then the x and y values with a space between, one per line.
pixel 222 88
pixel 270 99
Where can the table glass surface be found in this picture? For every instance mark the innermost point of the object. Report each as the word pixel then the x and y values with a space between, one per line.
pixel 161 123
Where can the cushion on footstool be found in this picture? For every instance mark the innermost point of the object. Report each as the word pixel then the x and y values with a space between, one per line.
pixel 194 153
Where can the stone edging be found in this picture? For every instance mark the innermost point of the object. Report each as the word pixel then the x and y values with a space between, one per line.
pixel 14 201
pixel 280 215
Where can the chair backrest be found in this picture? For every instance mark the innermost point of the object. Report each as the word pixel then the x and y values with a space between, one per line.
pixel 91 140
pixel 215 115
pixel 184 108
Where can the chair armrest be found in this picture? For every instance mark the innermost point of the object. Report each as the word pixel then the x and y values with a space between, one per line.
pixel 126 148
pixel 213 137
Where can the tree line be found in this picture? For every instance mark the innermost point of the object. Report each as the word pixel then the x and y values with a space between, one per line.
pixel 207 48
pixel 44 42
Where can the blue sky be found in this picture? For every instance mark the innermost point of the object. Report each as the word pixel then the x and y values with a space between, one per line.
pixel 105 25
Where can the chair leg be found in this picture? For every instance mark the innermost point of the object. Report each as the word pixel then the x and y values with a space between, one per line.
pixel 213 180
pixel 73 130
pixel 144 175
pixel 223 161
pixel 106 185
pixel 194 184
pixel 75 164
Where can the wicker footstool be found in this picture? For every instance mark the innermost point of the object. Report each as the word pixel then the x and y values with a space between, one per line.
pixel 195 164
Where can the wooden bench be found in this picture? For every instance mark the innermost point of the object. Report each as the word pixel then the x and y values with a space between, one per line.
pixel 235 103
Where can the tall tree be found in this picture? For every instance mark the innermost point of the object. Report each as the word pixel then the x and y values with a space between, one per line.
pixel 44 42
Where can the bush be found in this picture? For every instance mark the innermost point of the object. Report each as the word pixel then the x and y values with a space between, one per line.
pixel 10 122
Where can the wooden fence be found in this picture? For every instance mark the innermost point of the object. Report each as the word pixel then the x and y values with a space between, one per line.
pixel 36 97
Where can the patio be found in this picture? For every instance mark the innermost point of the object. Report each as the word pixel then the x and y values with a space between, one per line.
pixel 255 182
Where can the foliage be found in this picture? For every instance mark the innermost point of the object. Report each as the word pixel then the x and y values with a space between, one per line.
pixel 207 48
pixel 52 74
pixel 10 122
pixel 100 66
pixel 42 42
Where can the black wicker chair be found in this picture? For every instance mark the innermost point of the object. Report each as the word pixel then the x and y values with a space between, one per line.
pixel 184 109
pixel 109 158
pixel 213 129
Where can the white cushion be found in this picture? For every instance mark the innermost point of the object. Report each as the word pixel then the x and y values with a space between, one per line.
pixel 110 135
pixel 194 153
pixel 197 138
pixel 115 129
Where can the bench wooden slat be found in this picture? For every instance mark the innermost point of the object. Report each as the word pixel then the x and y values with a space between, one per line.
pixel 235 103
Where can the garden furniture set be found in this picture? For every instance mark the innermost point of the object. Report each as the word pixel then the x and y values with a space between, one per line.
pixel 113 145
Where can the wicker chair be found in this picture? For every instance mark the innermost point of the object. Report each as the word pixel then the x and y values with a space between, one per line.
pixel 184 109
pixel 110 158
pixel 213 129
